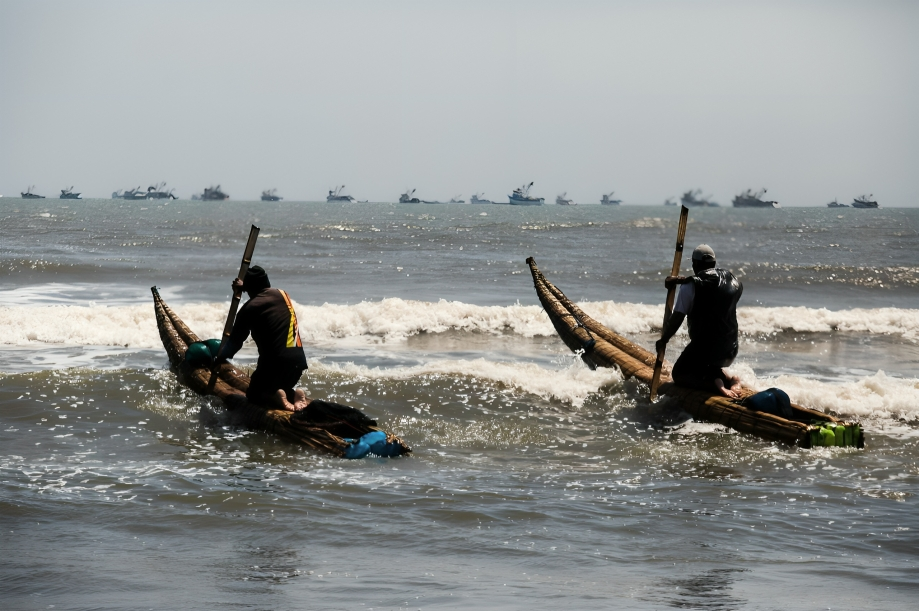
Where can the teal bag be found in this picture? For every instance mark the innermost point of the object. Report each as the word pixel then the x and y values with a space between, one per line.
pixel 202 354
pixel 199 355
pixel 213 345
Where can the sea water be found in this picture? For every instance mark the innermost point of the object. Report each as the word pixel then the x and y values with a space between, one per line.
pixel 535 482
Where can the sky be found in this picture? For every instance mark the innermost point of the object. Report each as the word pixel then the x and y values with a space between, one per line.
pixel 812 100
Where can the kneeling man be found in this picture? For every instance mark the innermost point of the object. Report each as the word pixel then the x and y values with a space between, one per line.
pixel 269 316
pixel 709 300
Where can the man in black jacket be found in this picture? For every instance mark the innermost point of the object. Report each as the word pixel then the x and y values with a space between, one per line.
pixel 269 316
pixel 709 300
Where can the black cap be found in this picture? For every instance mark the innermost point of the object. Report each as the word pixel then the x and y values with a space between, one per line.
pixel 256 280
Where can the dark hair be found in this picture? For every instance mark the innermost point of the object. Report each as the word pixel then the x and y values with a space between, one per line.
pixel 256 280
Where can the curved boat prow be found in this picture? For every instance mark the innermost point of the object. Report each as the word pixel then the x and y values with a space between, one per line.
pixel 601 347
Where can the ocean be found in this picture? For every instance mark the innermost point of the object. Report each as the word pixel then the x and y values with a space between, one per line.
pixel 534 480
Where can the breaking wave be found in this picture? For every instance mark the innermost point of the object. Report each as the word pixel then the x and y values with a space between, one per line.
pixel 571 384
pixel 875 396
pixel 397 319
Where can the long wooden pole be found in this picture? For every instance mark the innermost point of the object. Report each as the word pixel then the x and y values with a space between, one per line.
pixel 671 294
pixel 237 295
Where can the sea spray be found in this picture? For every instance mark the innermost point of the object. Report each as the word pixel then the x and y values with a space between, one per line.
pixel 397 319
pixel 572 384
pixel 875 396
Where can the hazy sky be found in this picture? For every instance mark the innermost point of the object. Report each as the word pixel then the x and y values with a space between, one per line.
pixel 814 100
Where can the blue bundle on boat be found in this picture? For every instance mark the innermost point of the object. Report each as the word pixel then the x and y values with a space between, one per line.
pixel 373 442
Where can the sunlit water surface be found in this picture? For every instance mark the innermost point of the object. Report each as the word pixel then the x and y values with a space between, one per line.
pixel 534 483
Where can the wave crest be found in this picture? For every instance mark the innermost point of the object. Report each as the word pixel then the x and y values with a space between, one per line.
pixel 571 384
pixel 397 319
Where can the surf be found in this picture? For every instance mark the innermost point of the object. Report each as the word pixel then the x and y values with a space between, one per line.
pixel 395 320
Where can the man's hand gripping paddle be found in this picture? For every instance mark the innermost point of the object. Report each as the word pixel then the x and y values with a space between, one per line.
pixel 234 304
pixel 671 293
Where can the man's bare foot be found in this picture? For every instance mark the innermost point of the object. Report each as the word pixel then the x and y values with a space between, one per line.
pixel 300 400
pixel 281 402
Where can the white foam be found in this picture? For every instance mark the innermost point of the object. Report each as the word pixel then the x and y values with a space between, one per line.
pixel 628 318
pixel 886 321
pixel 127 326
pixel 572 384
pixel 397 319
pixel 874 396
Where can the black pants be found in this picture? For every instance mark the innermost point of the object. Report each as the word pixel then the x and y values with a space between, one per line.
pixel 697 369
pixel 269 378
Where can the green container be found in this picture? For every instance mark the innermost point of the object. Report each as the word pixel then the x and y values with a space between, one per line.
pixel 827 437
pixel 840 433
pixel 213 345
pixel 850 439
pixel 856 434
pixel 815 438
pixel 198 355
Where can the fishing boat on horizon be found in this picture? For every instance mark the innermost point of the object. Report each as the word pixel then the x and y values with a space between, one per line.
pixel 521 197
pixel 158 191
pixel 607 199
pixel 211 194
pixel 669 202
pixel 69 194
pixel 478 198
pixel 130 194
pixel 749 199
pixel 562 200
pixel 456 200
pixel 865 201
pixel 271 195
pixel 336 195
pixel 694 199
pixel 407 197
pixel 836 204
pixel 27 194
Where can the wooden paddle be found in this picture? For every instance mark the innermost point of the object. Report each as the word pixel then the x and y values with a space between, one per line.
pixel 671 293
pixel 234 304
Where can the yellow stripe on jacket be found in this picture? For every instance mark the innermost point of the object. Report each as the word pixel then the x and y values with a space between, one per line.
pixel 293 331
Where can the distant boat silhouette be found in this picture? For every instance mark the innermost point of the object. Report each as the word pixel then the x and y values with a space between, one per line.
pixel 561 200
pixel 336 195
pixel 27 194
pixel 607 200
pixel 749 199
pixel 865 201
pixel 406 198
pixel 692 199
pixel 476 198
pixel 69 194
pixel 212 194
pixel 521 197
pixel 270 195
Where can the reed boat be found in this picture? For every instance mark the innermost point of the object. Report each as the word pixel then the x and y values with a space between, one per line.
pixel 598 346
pixel 324 426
